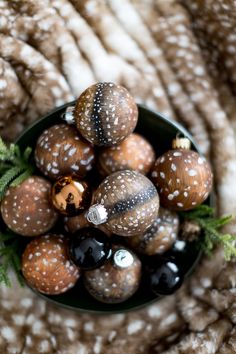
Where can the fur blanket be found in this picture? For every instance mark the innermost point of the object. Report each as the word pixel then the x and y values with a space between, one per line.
pixel 177 57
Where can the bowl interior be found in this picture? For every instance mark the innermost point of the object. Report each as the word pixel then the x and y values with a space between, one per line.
pixel 159 131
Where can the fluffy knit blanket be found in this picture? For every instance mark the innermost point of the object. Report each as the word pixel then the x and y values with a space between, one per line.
pixel 177 57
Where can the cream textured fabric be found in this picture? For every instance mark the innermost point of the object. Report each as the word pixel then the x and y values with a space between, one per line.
pixel 178 57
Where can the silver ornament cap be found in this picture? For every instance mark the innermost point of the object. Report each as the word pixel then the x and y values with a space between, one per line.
pixel 97 214
pixel 68 115
pixel 122 258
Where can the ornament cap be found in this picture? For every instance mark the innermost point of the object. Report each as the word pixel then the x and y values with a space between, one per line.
pixel 97 214
pixel 181 143
pixel 122 258
pixel 68 115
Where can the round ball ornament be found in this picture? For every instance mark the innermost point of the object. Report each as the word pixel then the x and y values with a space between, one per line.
pixel 71 196
pixel 126 202
pixel 133 153
pixel 159 237
pixel 27 210
pixel 164 276
pixel 105 114
pixel 182 177
pixel 117 279
pixel 89 248
pixel 47 267
pixel 61 151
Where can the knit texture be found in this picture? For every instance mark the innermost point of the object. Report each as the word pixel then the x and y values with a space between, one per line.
pixel 177 57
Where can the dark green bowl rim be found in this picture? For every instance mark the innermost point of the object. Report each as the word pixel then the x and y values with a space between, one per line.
pixel 177 127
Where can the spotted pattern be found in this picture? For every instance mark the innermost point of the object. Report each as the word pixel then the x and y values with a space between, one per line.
pixel 131 200
pixel 60 151
pixel 183 178
pixel 159 237
pixel 111 284
pixel 133 153
pixel 47 267
pixel 105 114
pixel 26 209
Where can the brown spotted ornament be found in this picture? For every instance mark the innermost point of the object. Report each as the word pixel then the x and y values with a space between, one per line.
pixel 105 114
pixel 159 237
pixel 46 265
pixel 133 153
pixel 27 210
pixel 182 177
pixel 126 202
pixel 61 151
pixel 116 280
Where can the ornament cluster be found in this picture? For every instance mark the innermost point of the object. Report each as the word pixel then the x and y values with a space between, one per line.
pixel 103 208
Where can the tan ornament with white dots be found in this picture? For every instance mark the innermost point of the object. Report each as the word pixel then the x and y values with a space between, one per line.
pixel 27 210
pixel 159 237
pixel 46 265
pixel 182 177
pixel 126 202
pixel 133 153
pixel 116 280
pixel 61 151
pixel 105 114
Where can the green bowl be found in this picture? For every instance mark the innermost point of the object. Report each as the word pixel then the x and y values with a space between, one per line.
pixel 160 131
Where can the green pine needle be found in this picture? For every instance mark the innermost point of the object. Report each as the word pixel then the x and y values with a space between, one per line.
pixel 9 253
pixel 15 166
pixel 209 223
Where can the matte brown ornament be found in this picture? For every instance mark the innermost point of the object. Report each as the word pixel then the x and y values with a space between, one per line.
pixel 182 177
pixel 71 196
pixel 117 280
pixel 61 151
pixel 133 153
pixel 27 210
pixel 159 237
pixel 105 114
pixel 126 202
pixel 46 265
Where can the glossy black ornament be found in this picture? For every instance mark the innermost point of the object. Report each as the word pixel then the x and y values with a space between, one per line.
pixel 164 276
pixel 89 248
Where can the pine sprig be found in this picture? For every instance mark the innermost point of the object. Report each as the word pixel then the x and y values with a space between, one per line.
pixel 211 235
pixel 15 166
pixel 9 257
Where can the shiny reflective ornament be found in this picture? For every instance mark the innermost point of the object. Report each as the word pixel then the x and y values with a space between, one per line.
pixel 164 276
pixel 71 196
pixel 89 248
pixel 117 279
